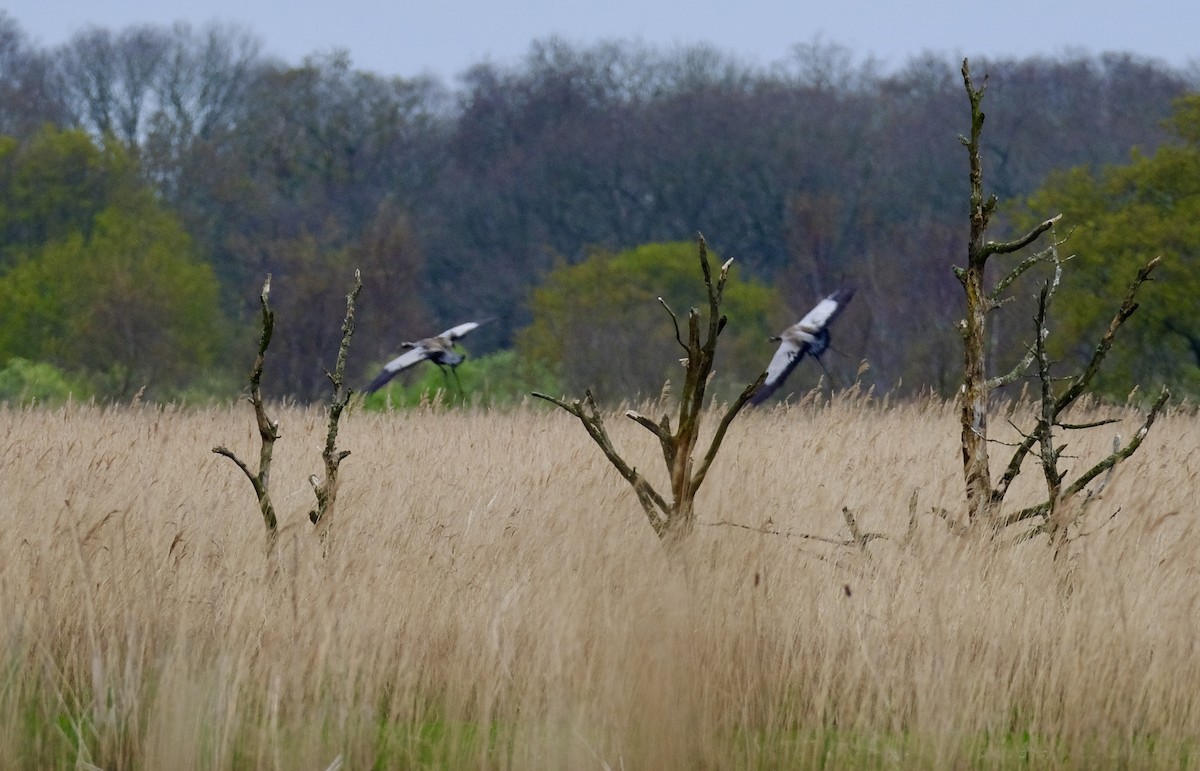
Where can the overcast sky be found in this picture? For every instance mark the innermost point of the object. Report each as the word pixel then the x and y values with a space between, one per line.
pixel 444 37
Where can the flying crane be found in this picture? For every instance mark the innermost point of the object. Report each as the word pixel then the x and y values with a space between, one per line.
pixel 438 349
pixel 810 335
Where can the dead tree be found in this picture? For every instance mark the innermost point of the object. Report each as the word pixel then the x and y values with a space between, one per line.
pixel 326 489
pixel 268 430
pixel 984 499
pixel 675 518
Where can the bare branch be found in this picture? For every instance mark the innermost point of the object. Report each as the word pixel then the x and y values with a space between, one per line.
pixel 1040 510
pixel 675 321
pixel 1020 269
pixel 656 508
pixel 661 431
pixel 1092 424
pixel 1078 385
pixel 722 427
pixel 1019 370
pixel 1119 455
pixel 1128 306
pixel 1008 247
pixel 1108 475
pixel 228 453
pixel 648 424
pixel 1015 374
pixel 866 537
pixel 1043 509
pixel 1046 421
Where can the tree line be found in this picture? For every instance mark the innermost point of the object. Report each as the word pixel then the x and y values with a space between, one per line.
pixel 156 164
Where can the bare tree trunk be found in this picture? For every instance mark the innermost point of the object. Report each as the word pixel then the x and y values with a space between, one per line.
pixel 973 399
pixel 973 395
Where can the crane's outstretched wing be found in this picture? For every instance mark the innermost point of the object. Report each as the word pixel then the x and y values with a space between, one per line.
pixel 453 333
pixel 825 312
pixel 782 363
pixel 398 364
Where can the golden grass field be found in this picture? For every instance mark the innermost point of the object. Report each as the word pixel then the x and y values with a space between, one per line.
pixel 492 597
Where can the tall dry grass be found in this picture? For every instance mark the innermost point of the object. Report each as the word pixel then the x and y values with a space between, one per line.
pixel 493 598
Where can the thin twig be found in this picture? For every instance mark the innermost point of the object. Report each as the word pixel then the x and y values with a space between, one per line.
pixel 675 321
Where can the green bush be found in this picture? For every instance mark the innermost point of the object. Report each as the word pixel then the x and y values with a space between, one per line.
pixel 24 382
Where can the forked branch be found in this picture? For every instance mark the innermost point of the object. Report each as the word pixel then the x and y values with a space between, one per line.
pixel 1118 454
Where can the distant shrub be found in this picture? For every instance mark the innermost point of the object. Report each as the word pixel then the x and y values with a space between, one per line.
pixel 23 382
pixel 600 323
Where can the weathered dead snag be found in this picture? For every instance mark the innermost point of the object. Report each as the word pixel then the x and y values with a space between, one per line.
pixel 984 500
pixel 268 430
pixel 326 489
pixel 674 519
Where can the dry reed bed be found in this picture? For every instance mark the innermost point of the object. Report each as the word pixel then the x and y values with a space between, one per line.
pixel 493 597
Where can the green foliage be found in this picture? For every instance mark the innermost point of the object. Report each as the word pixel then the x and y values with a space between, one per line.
pixel 25 382
pixel 1120 218
pixel 499 379
pixel 108 283
pixel 55 184
pixel 599 324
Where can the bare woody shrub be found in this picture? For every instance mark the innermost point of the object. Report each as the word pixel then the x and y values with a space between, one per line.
pixel 674 519
pixel 325 489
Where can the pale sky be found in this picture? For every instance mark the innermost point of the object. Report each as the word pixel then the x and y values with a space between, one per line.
pixel 444 37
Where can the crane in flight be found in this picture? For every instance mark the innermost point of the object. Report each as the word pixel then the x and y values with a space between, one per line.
pixel 810 335
pixel 438 349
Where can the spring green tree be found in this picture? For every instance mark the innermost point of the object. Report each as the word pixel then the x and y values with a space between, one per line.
pixel 102 280
pixel 1120 217
pixel 55 183
pixel 599 324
